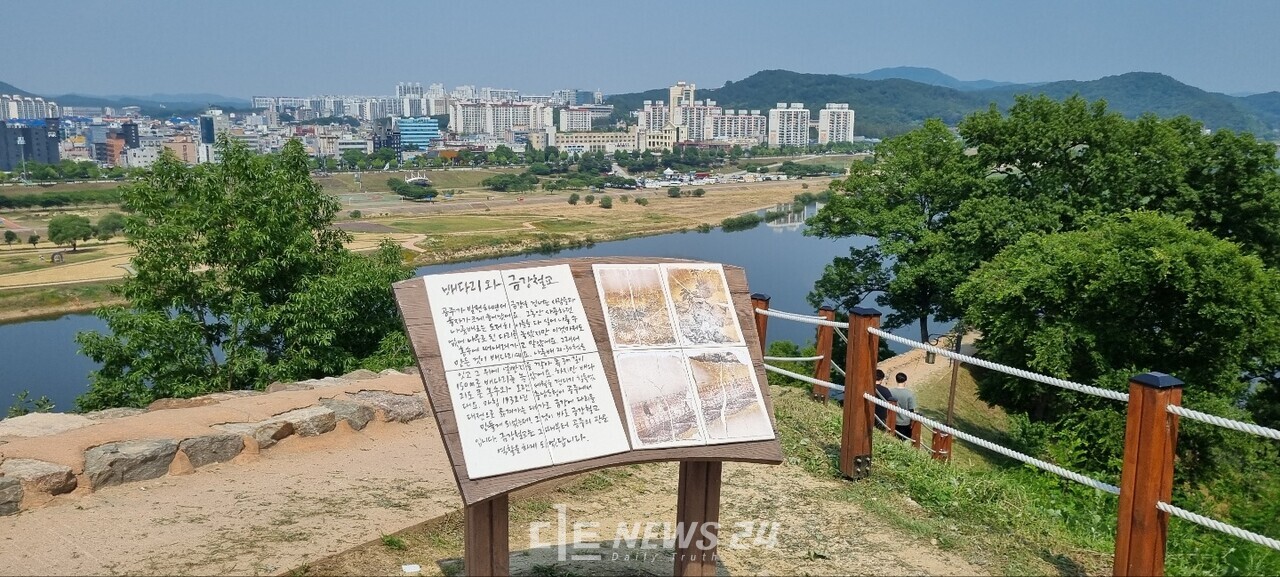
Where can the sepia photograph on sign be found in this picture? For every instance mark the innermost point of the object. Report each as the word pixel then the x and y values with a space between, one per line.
pixel 635 306
pixel 660 405
pixel 731 408
pixel 703 309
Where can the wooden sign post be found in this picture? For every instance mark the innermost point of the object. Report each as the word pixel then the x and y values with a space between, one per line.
pixel 545 369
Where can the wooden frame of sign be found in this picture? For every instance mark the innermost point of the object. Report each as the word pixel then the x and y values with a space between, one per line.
pixel 485 499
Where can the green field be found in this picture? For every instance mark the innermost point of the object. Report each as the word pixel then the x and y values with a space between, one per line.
pixel 18 190
pixel 340 183
pixel 457 224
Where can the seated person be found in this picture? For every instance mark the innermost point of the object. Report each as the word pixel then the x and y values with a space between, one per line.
pixel 906 400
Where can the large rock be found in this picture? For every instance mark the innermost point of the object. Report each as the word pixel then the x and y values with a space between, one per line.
pixel 355 414
pixel 395 407
pixel 360 375
pixel 128 461
pixel 116 413
pixel 266 433
pixel 41 424
pixel 211 449
pixel 165 404
pixel 277 387
pixel 310 421
pixel 10 495
pixel 40 476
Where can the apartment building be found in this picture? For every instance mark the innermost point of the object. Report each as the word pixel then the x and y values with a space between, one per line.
pixel 496 118
pixel 27 107
pixel 183 147
pixel 835 123
pixel 575 119
pixel 681 94
pixel 737 125
pixel 693 117
pixel 788 125
pixel 654 115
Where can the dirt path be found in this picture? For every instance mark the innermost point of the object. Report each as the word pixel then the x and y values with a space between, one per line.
pixel 303 499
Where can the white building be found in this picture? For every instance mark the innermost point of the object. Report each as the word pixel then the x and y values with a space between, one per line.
pixel 575 119
pixel 681 94
pixel 788 125
pixel 737 125
pixel 835 123
pixel 693 117
pixel 496 118
pixel 14 106
pixel 654 116
pixel 499 94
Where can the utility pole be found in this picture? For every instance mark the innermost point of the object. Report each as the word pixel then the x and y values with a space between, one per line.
pixel 22 147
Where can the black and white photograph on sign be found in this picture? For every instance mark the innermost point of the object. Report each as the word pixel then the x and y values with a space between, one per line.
pixel 703 308
pixel 635 306
pixel 658 396
pixel 522 369
pixel 731 407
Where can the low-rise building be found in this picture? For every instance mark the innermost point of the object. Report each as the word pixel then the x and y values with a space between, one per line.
pixel 581 142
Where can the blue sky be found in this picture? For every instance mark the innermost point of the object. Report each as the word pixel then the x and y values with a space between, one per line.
pixel 246 47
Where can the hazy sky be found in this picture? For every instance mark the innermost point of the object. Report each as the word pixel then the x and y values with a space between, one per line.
pixel 277 47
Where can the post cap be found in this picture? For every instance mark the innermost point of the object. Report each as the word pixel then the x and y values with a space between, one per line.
pixel 1157 380
pixel 826 308
pixel 864 312
pixel 759 297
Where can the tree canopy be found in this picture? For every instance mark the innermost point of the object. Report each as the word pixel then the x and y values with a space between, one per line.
pixel 240 279
pixel 69 229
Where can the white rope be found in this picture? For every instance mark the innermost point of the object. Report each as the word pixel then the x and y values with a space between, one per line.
pixel 794 359
pixel 800 377
pixel 1012 454
pixel 836 366
pixel 842 337
pixel 812 320
pixel 904 437
pixel 1218 525
pixel 1224 423
pixel 1086 389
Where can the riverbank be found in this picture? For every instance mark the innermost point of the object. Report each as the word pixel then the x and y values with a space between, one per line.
pixel 460 231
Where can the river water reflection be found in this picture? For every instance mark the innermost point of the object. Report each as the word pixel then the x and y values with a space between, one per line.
pixel 41 355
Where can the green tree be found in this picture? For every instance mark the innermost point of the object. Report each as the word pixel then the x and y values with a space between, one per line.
pixel 69 229
pixel 33 239
pixel 673 192
pixel 699 192
pixel 642 201
pixel 590 198
pixel 573 198
pixel 606 201
pixel 903 201
pixel 111 223
pixel 240 279
pixel 10 237
pixel 1125 295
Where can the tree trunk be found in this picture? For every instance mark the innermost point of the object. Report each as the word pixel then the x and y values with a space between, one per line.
pixel 924 328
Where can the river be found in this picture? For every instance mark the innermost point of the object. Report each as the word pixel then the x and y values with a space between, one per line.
pixel 41 355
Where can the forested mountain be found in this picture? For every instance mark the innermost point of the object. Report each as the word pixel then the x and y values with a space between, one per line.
pixel 11 89
pixel 928 76
pixel 892 106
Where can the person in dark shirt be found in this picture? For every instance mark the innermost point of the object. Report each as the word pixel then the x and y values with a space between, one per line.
pixel 882 392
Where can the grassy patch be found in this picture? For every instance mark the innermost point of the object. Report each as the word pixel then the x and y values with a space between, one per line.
pixel 394 543
pixel 458 224
pixel 64 298
pixel 566 225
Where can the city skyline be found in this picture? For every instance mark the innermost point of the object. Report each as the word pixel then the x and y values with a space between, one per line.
pixel 243 49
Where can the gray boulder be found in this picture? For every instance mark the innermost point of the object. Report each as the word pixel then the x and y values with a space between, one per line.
pixel 128 461
pixel 355 414
pixel 360 375
pixel 116 413
pixel 266 433
pixel 40 476
pixel 10 495
pixel 211 449
pixel 398 408
pixel 277 387
pixel 310 421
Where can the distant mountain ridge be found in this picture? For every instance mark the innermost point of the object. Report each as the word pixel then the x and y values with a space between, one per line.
pixel 894 105
pixel 155 104
pixel 930 76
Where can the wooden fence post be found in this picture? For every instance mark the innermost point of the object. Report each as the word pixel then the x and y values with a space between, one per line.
pixel 941 445
pixel 891 419
pixel 822 371
pixel 698 513
pixel 1146 476
pixel 761 301
pixel 915 433
pixel 860 379
pixel 487 547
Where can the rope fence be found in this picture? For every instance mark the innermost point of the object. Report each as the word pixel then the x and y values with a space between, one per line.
pixel 800 377
pixel 1039 378
pixel 902 436
pixel 1216 525
pixel 793 359
pixel 1012 454
pixel 807 319
pixel 1223 422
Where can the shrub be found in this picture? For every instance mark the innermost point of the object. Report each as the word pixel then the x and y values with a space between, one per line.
pixel 699 192
pixel 642 201
pixel 355 214
pixel 606 201
pixel 591 198
pixel 573 198
pixel 741 222
pixel 673 192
